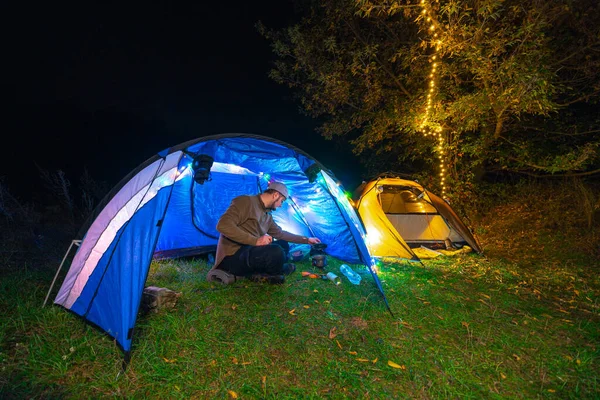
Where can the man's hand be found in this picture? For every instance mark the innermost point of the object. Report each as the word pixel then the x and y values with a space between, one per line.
pixel 264 240
pixel 314 240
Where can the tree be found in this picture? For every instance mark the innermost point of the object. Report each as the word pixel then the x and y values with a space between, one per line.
pixel 516 83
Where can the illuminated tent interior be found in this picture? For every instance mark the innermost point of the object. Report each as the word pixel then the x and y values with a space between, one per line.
pixel 403 219
pixel 170 205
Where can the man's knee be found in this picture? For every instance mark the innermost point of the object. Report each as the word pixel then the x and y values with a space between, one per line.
pixel 284 245
pixel 276 253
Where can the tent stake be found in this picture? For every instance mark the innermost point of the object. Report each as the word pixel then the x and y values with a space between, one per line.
pixel 76 242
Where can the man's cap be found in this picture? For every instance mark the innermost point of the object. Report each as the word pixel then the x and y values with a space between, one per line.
pixel 280 187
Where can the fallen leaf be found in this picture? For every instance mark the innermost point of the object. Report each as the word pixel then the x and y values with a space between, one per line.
pixel 578 361
pixel 306 306
pixel 362 360
pixel 291 312
pixel 234 306
pixel 394 365
pixel 569 358
pixel 246 363
pixel 502 375
pixel 551 390
pixel 439 316
pixel 264 380
pixel 315 291
pixel 406 324
pixel 576 292
pixel 169 361
pixel 332 332
pixel 234 360
pixel 353 353
pixel 375 360
pixel 358 322
pixel 516 357
pixel 339 345
pixel 232 394
pixel 485 295
pixel 465 324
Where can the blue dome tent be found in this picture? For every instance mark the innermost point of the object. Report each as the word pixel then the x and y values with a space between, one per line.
pixel 168 208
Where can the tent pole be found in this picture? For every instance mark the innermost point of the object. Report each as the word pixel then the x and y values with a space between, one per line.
pixel 76 242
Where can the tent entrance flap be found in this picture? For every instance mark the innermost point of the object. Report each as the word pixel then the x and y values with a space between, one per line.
pixel 400 214
pixel 415 228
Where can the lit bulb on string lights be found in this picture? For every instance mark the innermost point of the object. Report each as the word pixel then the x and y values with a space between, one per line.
pixel 426 18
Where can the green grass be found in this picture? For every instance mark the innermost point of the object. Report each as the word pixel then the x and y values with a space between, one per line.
pixel 467 327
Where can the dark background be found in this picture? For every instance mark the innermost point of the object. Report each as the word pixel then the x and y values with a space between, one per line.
pixel 104 87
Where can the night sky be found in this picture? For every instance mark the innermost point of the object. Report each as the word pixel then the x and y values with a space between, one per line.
pixel 105 87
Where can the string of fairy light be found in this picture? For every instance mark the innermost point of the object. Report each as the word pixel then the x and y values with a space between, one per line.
pixel 427 19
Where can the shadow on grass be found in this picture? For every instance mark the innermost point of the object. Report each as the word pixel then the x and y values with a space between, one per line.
pixel 20 386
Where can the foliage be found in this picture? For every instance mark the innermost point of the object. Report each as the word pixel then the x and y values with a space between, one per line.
pixel 18 221
pixel 355 71
pixel 61 194
pixel 31 231
pixel 535 222
pixel 518 82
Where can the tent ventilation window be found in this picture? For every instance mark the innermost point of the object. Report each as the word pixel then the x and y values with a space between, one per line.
pixel 404 200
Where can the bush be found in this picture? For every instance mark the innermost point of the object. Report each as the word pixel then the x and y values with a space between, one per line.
pixel 558 216
pixel 35 233
pixel 18 227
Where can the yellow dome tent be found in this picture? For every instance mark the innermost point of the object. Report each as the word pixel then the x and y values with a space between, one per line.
pixel 403 219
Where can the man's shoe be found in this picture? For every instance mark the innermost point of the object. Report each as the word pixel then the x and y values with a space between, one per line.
pixel 272 279
pixel 220 276
pixel 288 268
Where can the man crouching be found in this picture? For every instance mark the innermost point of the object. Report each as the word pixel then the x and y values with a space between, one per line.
pixel 246 246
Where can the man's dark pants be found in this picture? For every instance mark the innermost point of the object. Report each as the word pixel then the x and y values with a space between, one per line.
pixel 252 260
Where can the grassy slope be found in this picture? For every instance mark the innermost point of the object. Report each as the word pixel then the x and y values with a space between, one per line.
pixel 521 322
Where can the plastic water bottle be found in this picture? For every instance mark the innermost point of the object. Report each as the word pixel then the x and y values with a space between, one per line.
pixel 352 276
pixel 332 277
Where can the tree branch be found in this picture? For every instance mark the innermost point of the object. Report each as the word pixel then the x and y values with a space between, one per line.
pixel 385 68
pixel 587 173
pixel 573 54
pixel 561 133
pixel 582 98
